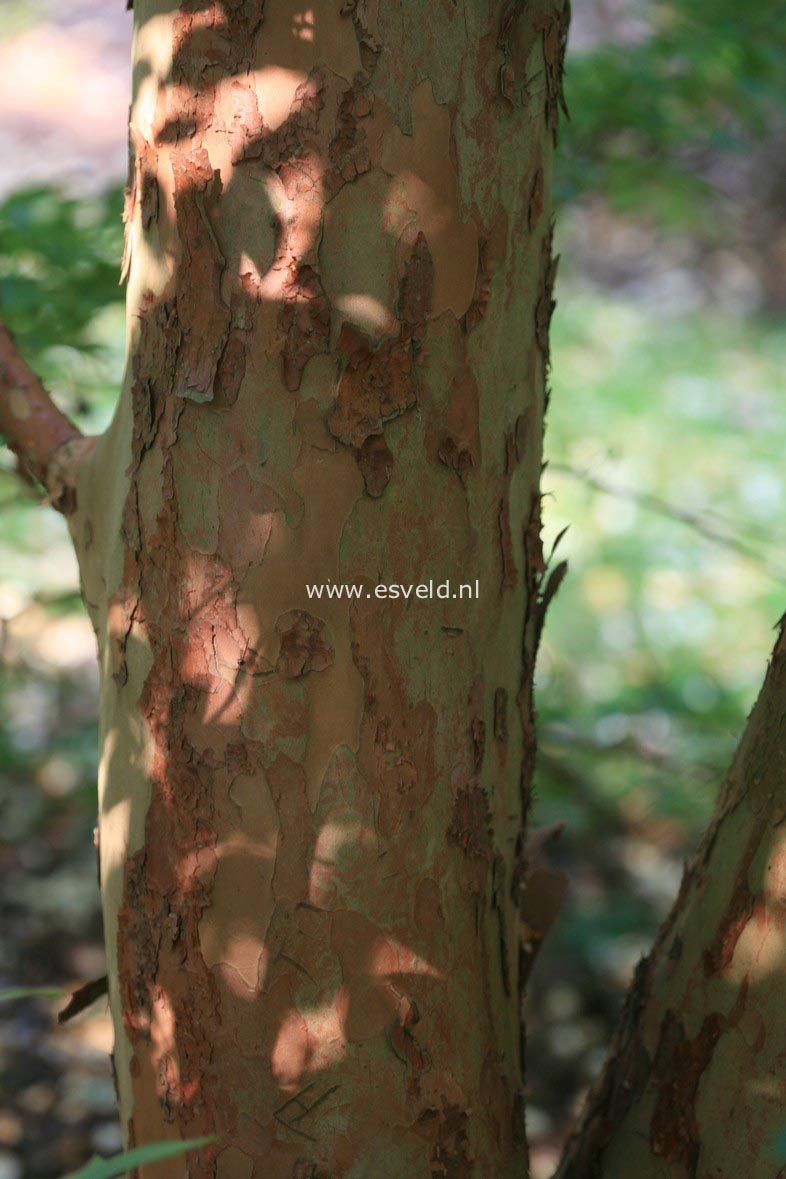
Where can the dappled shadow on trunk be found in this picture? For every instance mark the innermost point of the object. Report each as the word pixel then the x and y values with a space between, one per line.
pixel 314 851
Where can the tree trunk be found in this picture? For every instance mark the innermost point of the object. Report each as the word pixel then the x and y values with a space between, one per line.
pixel 311 809
pixel 695 1083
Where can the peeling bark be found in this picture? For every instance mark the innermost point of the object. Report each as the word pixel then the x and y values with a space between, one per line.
pixel 313 870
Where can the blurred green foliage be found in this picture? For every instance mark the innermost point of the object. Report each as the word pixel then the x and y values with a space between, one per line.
pixel 59 291
pixel 59 295
pixel 664 436
pixel 684 82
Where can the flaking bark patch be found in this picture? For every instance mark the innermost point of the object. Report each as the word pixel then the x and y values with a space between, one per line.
pixel 718 955
pixel 536 200
pixel 677 1070
pixel 376 464
pixel 501 715
pixel 451 1158
pixel 320 148
pixel 546 302
pixel 470 828
pixel 516 38
pixel 554 31
pixel 202 315
pixel 304 644
pixel 491 252
pixel 378 383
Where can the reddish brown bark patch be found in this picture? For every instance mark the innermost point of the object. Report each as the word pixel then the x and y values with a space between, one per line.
pixel 491 250
pixel 304 644
pixel 718 955
pixel 348 152
pixel 202 315
pixel 231 368
pixel 377 384
pixel 142 191
pixel 162 338
pixel 304 321
pixel 416 289
pixel 396 737
pixel 470 828
pixel 678 1067
pixel 478 735
pixel 376 464
pixel 451 1157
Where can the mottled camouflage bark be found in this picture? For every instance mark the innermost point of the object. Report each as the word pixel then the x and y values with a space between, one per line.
pixel 311 812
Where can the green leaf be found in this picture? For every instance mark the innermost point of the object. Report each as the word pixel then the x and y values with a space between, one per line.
pixel 154 1152
pixel 13 993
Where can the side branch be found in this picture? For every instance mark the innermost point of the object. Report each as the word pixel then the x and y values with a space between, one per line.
pixel 687 1089
pixel 42 437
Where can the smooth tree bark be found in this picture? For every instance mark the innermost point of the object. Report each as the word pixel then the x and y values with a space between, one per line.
pixel 695 1083
pixel 318 902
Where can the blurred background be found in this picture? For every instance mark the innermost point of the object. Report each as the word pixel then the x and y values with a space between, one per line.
pixel 666 431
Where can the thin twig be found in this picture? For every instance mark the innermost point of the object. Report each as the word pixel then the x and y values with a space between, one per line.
pixel 692 520
pixel 83 998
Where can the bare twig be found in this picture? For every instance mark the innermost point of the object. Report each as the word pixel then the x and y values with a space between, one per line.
pixel 662 507
pixel 83 998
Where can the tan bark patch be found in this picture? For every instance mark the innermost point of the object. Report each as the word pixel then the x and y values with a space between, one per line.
pixel 423 161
